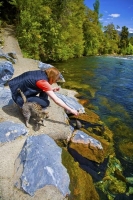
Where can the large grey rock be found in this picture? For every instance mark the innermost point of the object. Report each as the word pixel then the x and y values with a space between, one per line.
pixel 39 164
pixel 10 131
pixel 5 97
pixel 11 56
pixel 6 72
pixel 71 102
pixel 87 146
pixel 44 66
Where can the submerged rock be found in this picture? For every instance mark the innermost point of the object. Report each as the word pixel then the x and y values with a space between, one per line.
pixel 39 164
pixel 10 131
pixel 81 184
pixel 90 117
pixel 87 146
pixel 78 124
pixel 123 197
pixel 126 149
pixel 96 170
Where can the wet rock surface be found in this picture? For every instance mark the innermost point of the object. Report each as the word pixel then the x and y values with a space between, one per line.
pixel 95 169
pixel 87 146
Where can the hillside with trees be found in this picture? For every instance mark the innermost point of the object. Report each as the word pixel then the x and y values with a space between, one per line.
pixel 58 30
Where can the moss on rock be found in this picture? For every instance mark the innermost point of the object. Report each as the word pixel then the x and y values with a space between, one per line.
pixel 81 183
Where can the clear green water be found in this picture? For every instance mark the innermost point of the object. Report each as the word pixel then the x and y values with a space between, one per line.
pixel 107 83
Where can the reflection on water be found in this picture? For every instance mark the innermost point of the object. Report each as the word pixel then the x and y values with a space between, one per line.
pixel 107 84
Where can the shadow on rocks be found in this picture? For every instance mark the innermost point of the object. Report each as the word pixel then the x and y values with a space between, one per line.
pixel 55 121
pixel 13 111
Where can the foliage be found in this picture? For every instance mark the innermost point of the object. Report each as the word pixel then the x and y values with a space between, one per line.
pixel 92 34
pixel 129 50
pixel 124 38
pixel 96 7
pixel 1 3
pixel 50 30
pixel 59 30
pixel 111 39
pixel 110 31
pixel 65 38
pixel 131 40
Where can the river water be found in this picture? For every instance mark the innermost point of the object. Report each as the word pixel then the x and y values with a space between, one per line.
pixel 107 83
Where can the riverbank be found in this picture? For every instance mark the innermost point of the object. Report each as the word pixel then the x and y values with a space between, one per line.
pixel 56 127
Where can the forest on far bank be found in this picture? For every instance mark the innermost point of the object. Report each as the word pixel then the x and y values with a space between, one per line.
pixel 57 30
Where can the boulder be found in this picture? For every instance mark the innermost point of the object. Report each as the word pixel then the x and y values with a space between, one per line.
pixel 39 164
pixel 44 66
pixel 11 56
pixel 71 102
pixel 5 97
pixel 87 146
pixel 10 131
pixel 6 72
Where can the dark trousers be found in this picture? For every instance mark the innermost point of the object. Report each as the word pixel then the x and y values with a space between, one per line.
pixel 42 99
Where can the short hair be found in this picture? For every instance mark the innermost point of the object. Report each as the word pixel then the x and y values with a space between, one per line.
pixel 53 74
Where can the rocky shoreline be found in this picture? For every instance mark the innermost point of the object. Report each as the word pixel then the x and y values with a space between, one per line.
pixel 57 128
pixel 60 157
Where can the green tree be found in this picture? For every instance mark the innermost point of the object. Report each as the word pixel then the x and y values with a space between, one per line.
pixel 111 32
pixel 117 27
pixel 129 49
pixel 50 29
pixel 61 29
pixel 92 33
pixel 96 7
pixel 69 18
pixel 131 40
pixel 124 41
pixel 112 38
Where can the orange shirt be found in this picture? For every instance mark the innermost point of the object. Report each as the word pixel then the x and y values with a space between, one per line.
pixel 44 85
